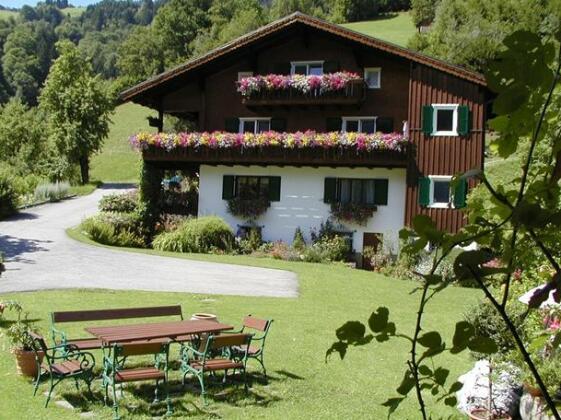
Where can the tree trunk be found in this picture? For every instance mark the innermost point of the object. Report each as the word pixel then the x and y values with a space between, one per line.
pixel 85 169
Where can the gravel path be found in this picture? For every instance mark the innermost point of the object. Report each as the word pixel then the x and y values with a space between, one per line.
pixel 41 256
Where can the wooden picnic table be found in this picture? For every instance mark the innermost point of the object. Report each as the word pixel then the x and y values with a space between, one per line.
pixel 151 331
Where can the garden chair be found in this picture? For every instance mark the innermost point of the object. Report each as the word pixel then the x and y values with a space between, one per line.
pixel 255 351
pixel 216 355
pixel 115 373
pixel 60 363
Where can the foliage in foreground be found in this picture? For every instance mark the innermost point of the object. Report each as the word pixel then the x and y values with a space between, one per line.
pixel 518 231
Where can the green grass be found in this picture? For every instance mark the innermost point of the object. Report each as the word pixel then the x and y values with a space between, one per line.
pixel 6 14
pixel 398 28
pixel 84 189
pixel 73 11
pixel 117 162
pixel 302 385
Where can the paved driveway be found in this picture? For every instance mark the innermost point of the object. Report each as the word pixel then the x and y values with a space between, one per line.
pixel 41 256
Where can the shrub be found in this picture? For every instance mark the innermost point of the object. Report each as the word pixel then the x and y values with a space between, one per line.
pixel 8 196
pixel 98 230
pixel 51 191
pixel 204 234
pixel 169 222
pixel 119 202
pixel 114 229
pixel 298 242
pixel 327 249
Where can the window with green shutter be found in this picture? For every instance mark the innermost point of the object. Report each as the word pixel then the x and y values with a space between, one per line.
pixel 274 188
pixel 381 192
pixel 424 191
pixel 464 122
pixel 333 124
pixel 251 187
pixel 228 183
pixel 460 194
pixel 427 120
pixel 330 190
pixel 368 192
pixel 278 124
pixel 232 125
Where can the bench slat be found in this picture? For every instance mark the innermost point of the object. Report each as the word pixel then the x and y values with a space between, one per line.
pixel 119 313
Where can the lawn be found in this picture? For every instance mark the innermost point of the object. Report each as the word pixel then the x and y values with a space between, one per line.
pixel 302 384
pixel 117 162
pixel 397 28
pixel 7 14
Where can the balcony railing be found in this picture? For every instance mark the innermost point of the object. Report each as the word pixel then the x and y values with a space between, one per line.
pixel 352 94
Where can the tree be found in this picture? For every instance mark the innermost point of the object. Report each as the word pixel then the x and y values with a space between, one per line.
pixel 177 24
pixel 470 32
pixel 515 229
pixel 281 8
pixel 423 12
pixel 356 10
pixel 78 106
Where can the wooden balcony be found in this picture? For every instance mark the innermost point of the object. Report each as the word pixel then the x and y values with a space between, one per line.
pixel 352 94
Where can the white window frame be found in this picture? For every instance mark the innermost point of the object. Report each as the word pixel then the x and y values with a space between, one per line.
pixel 359 119
pixel 445 107
pixel 434 205
pixel 242 120
pixel 293 64
pixel 372 69
pixel 242 74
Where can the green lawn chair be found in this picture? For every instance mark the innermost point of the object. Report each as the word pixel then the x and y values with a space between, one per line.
pixel 115 373
pixel 59 363
pixel 214 354
pixel 257 347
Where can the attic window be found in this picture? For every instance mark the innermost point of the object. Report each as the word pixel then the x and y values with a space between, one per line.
pixel 445 120
pixel 307 68
pixel 372 77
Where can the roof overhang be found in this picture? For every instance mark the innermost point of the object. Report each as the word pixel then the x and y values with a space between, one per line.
pixel 147 87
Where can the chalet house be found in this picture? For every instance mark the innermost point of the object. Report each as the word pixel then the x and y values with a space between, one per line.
pixel 323 122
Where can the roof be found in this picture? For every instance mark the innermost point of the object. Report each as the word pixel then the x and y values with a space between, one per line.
pixel 288 21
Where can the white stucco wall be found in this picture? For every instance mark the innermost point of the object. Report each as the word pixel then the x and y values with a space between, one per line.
pixel 301 203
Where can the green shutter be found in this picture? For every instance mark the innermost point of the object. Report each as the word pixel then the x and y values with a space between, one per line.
pixel 330 190
pixel 463 120
pixel 282 68
pixel 228 182
pixel 424 191
pixel 384 124
pixel 330 66
pixel 381 192
pixel 460 194
pixel 278 124
pixel 333 124
pixel 427 119
pixel 274 188
pixel 232 125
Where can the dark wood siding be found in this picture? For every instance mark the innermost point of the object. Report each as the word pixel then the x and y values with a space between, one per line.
pixel 442 155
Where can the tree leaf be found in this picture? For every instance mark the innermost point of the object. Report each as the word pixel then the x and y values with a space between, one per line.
pixel 451 401
pixel 339 347
pixel 392 404
pixel 425 370
pixel 483 345
pixel 440 376
pixel 462 334
pixel 406 384
pixel 455 387
pixel 378 320
pixel 431 340
pixel 351 331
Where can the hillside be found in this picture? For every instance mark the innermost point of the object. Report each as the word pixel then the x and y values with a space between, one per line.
pixel 397 29
pixel 70 11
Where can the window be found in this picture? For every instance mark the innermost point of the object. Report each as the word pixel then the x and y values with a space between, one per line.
pixel 372 76
pixel 435 192
pixel 359 124
pixel 357 191
pixel 307 68
pixel 250 187
pixel 242 74
pixel 254 125
pixel 445 120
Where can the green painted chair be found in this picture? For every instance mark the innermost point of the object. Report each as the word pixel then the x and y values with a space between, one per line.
pixel 60 363
pixel 214 354
pixel 114 372
pixel 257 347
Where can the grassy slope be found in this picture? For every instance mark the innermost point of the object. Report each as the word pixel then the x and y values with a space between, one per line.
pixel 6 14
pixel 302 385
pixel 397 29
pixel 117 161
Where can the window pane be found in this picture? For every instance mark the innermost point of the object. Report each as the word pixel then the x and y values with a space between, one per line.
pixel 263 125
pixel 352 126
pixel 345 192
pixel 264 187
pixel 249 126
pixel 356 191
pixel 373 78
pixel 368 191
pixel 441 192
pixel 368 126
pixel 315 69
pixel 248 187
pixel 300 69
pixel 444 119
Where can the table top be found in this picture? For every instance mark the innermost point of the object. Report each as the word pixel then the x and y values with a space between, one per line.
pixel 147 331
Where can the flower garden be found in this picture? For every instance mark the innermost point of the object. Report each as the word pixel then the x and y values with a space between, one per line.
pixel 298 140
pixel 329 82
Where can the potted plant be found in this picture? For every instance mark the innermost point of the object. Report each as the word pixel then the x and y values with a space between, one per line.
pixel 20 343
pixel 352 212
pixel 248 208
pixel 490 412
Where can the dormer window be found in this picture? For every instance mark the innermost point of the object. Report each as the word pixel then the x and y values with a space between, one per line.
pixel 307 68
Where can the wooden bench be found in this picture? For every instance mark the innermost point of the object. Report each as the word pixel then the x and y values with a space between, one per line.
pixel 60 337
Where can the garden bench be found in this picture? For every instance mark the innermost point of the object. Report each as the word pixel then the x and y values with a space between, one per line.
pixel 104 315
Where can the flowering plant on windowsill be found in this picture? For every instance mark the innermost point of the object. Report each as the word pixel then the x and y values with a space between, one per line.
pixel 352 212
pixel 298 140
pixel 248 208
pixel 328 82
